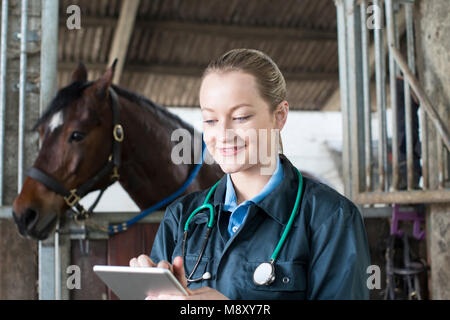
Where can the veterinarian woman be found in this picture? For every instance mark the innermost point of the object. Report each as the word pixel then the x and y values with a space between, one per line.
pixel 271 233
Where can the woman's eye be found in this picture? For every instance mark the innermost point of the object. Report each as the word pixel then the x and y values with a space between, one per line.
pixel 76 136
pixel 209 121
pixel 240 119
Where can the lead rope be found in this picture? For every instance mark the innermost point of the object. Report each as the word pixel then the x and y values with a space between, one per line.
pixel 116 228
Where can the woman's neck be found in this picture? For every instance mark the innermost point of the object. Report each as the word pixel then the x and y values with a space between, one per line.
pixel 250 182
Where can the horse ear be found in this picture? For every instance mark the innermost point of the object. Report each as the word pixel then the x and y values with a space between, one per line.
pixel 80 73
pixel 102 85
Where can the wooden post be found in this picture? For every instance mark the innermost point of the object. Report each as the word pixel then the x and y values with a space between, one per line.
pixel 122 36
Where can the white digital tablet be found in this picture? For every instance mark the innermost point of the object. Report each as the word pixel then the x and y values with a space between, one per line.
pixel 136 283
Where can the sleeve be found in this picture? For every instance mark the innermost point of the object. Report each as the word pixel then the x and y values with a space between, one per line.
pixel 339 257
pixel 166 238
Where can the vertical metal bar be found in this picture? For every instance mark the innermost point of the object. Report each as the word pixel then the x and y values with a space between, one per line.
pixel 57 273
pixel 49 275
pixel 396 8
pixel 3 66
pixel 408 111
pixel 440 162
pixel 366 93
pixel 22 91
pixel 355 97
pixel 380 81
pixel 393 93
pixel 46 267
pixel 424 147
pixel 49 52
pixel 343 88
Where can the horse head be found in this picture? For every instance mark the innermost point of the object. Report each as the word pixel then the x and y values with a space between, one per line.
pixel 76 142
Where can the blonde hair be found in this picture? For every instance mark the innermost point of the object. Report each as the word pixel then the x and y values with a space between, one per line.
pixel 269 79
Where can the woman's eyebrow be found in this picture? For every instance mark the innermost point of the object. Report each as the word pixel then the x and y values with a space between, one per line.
pixel 233 108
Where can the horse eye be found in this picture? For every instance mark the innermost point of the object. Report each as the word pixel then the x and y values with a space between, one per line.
pixel 76 136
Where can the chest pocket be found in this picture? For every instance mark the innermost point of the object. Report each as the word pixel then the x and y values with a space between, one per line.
pixel 189 264
pixel 290 281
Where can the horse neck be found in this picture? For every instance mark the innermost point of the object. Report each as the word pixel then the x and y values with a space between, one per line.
pixel 147 172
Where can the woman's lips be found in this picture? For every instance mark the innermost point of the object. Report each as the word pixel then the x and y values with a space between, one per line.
pixel 230 151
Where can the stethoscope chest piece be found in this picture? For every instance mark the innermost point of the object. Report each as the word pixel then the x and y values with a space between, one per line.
pixel 264 274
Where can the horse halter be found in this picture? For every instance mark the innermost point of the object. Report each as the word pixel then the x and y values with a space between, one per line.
pixel 72 197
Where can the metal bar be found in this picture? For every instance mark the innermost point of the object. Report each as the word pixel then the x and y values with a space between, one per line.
pixel 380 74
pixel 3 66
pixel 342 51
pixel 402 197
pixel 423 124
pixel 49 53
pixel 408 110
pixel 440 162
pixel 421 95
pixel 46 267
pixel 354 67
pixel 376 212
pixel 22 92
pixel 5 212
pixel 366 93
pixel 49 276
pixel 57 265
pixel 393 93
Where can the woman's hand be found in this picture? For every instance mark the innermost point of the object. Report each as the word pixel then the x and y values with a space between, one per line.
pixel 203 293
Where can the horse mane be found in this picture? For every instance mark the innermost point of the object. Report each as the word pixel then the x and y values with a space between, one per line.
pixel 67 95
pixel 159 111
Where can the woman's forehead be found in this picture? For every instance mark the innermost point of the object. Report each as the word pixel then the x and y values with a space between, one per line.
pixel 228 90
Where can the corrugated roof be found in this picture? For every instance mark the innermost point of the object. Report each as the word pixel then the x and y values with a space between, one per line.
pixel 173 40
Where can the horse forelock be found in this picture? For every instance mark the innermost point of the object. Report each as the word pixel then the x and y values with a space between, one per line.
pixel 63 98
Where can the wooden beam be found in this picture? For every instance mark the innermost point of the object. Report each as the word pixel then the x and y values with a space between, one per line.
pixel 219 30
pixel 122 36
pixel 194 71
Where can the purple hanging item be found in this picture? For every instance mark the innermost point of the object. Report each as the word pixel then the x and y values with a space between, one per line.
pixel 408 215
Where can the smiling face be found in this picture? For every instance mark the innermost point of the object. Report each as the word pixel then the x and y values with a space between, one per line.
pixel 238 122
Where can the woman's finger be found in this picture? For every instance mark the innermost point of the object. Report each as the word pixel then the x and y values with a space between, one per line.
pixel 164 264
pixel 178 271
pixel 134 263
pixel 145 261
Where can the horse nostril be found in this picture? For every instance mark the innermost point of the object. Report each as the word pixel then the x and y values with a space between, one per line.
pixel 29 218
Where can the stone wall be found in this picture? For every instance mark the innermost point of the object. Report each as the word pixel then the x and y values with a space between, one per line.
pixel 432 27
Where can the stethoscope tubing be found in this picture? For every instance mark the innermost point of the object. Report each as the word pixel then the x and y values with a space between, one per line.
pixel 206 205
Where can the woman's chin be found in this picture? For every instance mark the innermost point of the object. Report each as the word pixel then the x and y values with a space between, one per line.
pixel 229 166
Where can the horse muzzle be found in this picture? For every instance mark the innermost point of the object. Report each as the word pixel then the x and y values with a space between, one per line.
pixel 30 226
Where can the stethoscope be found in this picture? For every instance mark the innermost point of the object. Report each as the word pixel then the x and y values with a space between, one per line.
pixel 264 274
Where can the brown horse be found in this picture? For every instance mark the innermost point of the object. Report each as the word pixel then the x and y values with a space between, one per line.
pixel 76 138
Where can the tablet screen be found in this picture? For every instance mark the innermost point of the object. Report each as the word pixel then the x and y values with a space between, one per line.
pixel 136 283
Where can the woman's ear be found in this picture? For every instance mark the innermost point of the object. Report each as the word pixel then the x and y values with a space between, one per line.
pixel 281 112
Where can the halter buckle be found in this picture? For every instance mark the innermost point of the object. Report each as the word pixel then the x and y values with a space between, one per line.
pixel 118 133
pixel 115 174
pixel 73 198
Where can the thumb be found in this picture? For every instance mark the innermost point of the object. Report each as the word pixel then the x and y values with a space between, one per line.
pixel 178 270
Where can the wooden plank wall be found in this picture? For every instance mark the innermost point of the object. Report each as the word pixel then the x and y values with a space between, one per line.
pixel 118 250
